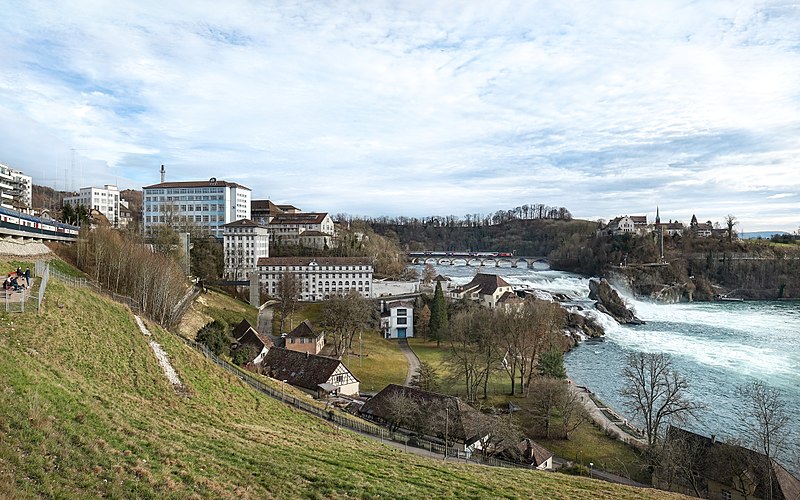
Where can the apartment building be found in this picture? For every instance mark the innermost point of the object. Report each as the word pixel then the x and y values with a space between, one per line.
pixel 105 200
pixel 209 204
pixel 16 189
pixel 245 242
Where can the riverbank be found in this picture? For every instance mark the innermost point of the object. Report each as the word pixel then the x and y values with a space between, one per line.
pixel 608 419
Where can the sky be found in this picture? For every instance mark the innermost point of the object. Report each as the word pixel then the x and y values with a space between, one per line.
pixel 417 108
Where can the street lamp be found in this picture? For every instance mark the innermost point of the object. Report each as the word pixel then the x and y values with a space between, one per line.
pixel 446 422
pixel 590 468
pixel 283 391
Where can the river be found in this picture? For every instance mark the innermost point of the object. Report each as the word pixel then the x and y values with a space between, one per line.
pixel 715 345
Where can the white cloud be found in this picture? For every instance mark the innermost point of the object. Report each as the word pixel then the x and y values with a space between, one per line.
pixel 419 108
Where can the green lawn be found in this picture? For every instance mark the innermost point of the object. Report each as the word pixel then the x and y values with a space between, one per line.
pixel 85 411
pixel 587 441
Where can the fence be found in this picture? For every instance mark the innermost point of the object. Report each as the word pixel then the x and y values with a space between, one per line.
pixel 340 419
pixel 352 423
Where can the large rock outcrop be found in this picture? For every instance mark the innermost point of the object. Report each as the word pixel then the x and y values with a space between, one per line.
pixel 607 300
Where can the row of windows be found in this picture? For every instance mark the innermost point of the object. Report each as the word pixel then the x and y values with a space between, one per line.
pixel 319 268
pixel 322 276
pixel 187 190
pixel 186 218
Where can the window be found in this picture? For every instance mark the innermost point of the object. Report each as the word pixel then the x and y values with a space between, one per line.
pixel 725 495
pixel 402 321
pixel 402 312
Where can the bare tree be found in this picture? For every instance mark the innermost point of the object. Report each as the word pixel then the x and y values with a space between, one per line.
pixel 764 419
pixel 428 274
pixel 730 222
pixel 473 349
pixel 343 316
pixel 288 289
pixel 655 391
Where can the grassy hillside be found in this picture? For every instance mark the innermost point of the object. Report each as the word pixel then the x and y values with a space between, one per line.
pixel 86 411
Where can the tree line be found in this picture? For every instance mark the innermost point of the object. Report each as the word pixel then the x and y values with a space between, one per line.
pixel 122 263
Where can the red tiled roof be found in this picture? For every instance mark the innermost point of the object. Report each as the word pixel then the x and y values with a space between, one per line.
pixel 487 283
pixel 243 223
pixel 301 218
pixel 304 329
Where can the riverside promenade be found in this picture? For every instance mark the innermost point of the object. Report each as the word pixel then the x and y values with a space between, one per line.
pixel 599 415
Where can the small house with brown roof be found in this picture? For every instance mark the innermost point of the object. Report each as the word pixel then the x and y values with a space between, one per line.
pixel 316 375
pixel 305 338
pixel 466 427
pixel 484 288
pixel 246 335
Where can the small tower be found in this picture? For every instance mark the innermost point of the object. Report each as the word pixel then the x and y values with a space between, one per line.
pixel 660 235
pixel 163 174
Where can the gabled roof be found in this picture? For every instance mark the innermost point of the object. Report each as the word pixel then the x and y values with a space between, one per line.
pixel 289 208
pixel 533 452
pixel 247 335
pixel 299 368
pixel 509 298
pixel 187 184
pixel 639 219
pixel 467 422
pixel 304 329
pixel 487 283
pixel 243 223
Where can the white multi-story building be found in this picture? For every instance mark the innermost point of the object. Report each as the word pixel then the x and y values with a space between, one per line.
pixel 209 204
pixel 16 189
pixel 288 228
pixel 245 242
pixel 104 199
pixel 397 320
pixel 319 277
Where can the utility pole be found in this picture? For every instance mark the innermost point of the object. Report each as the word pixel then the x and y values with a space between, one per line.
pixel 446 428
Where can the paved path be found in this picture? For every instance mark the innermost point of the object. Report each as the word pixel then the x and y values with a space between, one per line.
pixel 265 320
pixel 411 357
pixel 601 419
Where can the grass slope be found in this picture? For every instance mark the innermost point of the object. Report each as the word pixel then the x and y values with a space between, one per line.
pixel 85 411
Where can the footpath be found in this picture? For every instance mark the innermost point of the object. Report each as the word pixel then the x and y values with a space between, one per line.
pixel 411 357
pixel 601 418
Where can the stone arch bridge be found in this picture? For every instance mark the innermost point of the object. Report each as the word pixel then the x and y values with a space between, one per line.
pixel 473 259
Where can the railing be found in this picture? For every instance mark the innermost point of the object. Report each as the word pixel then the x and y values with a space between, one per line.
pixel 340 419
pixel 349 422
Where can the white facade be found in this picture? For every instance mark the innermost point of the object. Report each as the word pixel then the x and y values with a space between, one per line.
pixel 319 277
pixel 244 242
pixel 209 204
pixel 289 228
pixel 16 189
pixel 105 200
pixel 397 321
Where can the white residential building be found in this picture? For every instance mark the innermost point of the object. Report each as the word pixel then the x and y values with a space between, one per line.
pixel 209 204
pixel 397 320
pixel 245 242
pixel 288 229
pixel 319 277
pixel 16 189
pixel 105 200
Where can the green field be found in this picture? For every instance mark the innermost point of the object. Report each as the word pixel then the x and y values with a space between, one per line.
pixel 85 411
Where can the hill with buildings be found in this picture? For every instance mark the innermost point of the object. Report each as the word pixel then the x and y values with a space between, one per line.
pixel 86 411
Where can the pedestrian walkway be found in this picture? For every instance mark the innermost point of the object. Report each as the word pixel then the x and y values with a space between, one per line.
pixel 600 418
pixel 411 357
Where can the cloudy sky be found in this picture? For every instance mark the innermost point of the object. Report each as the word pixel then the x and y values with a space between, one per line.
pixel 417 108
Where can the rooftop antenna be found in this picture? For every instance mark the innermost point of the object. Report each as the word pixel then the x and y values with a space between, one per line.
pixel 163 174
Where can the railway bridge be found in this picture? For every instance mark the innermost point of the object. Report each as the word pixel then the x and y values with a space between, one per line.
pixel 474 259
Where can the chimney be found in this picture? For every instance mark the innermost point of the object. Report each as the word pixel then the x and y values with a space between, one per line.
pixel 713 439
pixel 163 174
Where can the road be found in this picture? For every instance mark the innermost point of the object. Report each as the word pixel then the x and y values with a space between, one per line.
pixel 411 357
pixel 265 319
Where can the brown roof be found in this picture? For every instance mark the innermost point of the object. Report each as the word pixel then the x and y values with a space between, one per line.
pixel 718 458
pixel 287 208
pixel 509 298
pixel 299 368
pixel 467 422
pixel 301 218
pixel 304 329
pixel 322 261
pixel 264 205
pixel 533 452
pixel 243 223
pixel 487 283
pixel 399 303
pixel 185 184
pixel 247 335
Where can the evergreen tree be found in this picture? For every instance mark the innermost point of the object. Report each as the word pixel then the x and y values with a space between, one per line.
pixel 437 328
pixel 426 377
pixel 214 336
pixel 551 364
pixel 68 214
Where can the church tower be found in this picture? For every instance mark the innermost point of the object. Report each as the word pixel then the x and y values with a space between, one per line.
pixel 659 234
